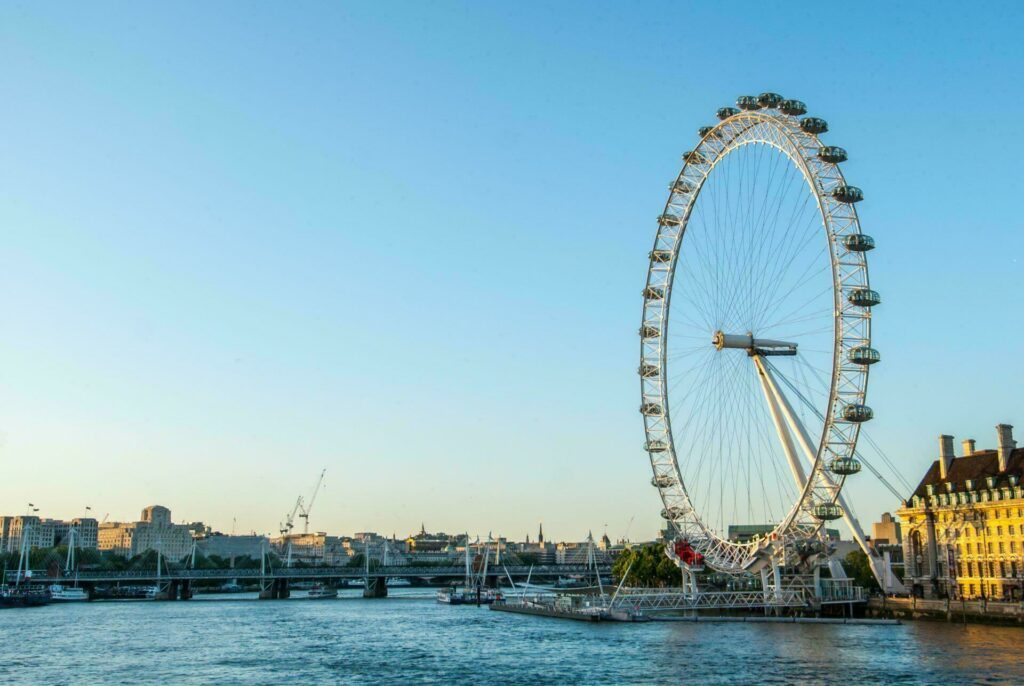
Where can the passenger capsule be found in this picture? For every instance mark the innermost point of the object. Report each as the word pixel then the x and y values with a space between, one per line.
pixel 859 242
pixel 661 256
pixel 706 131
pixel 857 413
pixel 769 100
pixel 680 186
pixel 673 513
pixel 726 112
pixel 844 466
pixel 694 157
pixel 663 481
pixel 654 293
pixel 864 297
pixel 655 446
pixel 748 102
pixel 826 512
pixel 832 154
pixel 651 410
pixel 669 220
pixel 864 355
pixel 648 331
pixel 793 107
pixel 847 194
pixel 648 371
pixel 813 125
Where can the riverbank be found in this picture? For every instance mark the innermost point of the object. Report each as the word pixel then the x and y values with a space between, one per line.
pixel 971 611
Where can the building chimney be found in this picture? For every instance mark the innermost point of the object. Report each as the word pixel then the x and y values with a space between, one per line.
pixel 945 455
pixel 1006 445
pixel 968 445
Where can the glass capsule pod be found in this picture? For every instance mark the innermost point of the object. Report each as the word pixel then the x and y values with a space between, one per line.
pixel 726 112
pixel 669 220
pixel 769 100
pixel 704 131
pixel 649 331
pixel 859 242
pixel 651 410
pixel 864 297
pixel 847 194
pixel 857 413
pixel 844 466
pixel 672 513
pixel 694 157
pixel 826 512
pixel 648 371
pixel 661 256
pixel 793 107
pixel 748 102
pixel 832 154
pixel 680 186
pixel 864 355
pixel 655 446
pixel 663 481
pixel 654 293
pixel 813 125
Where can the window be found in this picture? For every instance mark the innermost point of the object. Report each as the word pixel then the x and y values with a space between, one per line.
pixel 999 531
pixel 988 531
pixel 989 546
pixel 1001 547
pixel 1010 530
pixel 1013 546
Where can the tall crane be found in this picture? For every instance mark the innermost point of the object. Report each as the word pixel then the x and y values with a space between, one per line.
pixel 289 519
pixel 306 509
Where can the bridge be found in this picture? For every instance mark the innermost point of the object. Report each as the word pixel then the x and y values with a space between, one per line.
pixel 274 582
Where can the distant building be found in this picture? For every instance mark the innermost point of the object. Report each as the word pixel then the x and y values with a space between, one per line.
pixel 963 526
pixel 30 527
pixel 313 548
pixel 154 531
pixel 227 547
pixel 886 531
pixel 744 533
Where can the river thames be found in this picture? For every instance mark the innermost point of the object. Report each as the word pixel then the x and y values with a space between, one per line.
pixel 409 638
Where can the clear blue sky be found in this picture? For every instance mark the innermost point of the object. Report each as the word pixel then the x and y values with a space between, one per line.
pixel 406 241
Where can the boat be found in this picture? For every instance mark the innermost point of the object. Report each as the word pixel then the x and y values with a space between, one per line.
pixel 322 592
pixel 23 596
pixel 467 596
pixel 65 594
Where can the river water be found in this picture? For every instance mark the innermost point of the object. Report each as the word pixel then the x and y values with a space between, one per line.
pixel 409 639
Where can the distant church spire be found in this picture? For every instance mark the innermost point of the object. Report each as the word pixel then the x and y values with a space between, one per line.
pixel 540 534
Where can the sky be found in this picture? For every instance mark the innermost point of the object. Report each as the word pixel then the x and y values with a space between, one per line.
pixel 405 242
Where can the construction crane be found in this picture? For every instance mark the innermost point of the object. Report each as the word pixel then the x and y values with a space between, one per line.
pixel 306 509
pixel 289 519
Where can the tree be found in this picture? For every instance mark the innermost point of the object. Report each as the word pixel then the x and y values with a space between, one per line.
pixel 648 566
pixel 857 567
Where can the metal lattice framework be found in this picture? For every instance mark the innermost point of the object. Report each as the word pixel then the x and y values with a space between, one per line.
pixel 765 129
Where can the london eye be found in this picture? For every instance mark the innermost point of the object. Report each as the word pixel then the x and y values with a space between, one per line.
pixel 756 340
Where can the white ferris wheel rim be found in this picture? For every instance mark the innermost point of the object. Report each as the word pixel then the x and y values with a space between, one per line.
pixel 852 329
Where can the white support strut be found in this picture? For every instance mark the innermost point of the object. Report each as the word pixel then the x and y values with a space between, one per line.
pixel 885 577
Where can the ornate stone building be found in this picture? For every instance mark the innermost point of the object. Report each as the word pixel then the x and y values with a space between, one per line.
pixel 963 527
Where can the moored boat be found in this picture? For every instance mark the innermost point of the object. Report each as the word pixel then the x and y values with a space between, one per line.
pixel 322 592
pixel 66 594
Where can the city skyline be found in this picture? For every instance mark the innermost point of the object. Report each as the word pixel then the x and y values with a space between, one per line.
pixel 388 263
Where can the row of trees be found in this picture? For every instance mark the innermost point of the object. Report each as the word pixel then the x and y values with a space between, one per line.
pixel 650 567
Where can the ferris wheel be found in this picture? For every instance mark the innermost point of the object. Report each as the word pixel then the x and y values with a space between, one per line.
pixel 756 339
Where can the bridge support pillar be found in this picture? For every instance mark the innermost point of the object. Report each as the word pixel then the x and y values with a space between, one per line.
pixel 375 587
pixel 274 589
pixel 185 591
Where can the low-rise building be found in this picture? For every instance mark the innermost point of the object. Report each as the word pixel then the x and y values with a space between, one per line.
pixel 963 533
pixel 886 531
